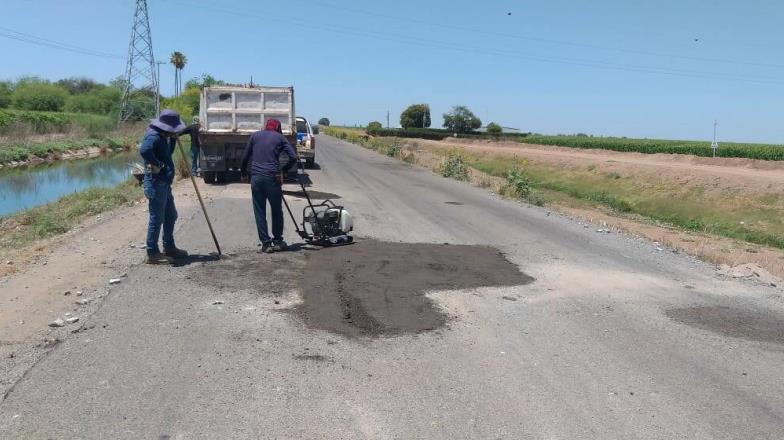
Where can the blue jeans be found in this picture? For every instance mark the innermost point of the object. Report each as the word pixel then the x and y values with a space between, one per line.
pixel 162 213
pixel 265 188
pixel 194 159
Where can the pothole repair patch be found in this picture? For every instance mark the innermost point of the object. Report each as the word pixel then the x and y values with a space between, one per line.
pixel 752 324
pixel 375 288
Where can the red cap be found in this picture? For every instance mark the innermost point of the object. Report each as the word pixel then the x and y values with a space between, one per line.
pixel 274 125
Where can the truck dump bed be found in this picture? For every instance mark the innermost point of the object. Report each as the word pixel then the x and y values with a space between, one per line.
pixel 244 110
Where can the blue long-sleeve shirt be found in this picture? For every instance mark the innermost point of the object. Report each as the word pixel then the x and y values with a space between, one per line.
pixel 263 151
pixel 156 149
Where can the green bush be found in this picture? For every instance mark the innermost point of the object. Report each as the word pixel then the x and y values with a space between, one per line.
pixel 519 182
pixel 374 127
pixel 102 101
pixel 5 94
pixel 416 133
pixel 324 122
pixel 46 122
pixel 39 97
pixel 454 166
pixel 494 129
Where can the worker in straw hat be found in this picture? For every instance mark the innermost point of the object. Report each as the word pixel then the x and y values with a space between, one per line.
pixel 156 149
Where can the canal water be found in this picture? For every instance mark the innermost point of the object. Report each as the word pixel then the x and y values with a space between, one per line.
pixel 27 187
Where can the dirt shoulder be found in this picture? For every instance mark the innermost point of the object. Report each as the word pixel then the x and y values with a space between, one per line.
pixel 68 275
pixel 714 176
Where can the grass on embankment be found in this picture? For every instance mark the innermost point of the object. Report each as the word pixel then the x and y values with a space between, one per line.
pixel 29 136
pixel 757 219
pixel 62 215
pixel 45 150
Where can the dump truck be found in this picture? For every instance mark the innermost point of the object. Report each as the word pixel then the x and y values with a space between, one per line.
pixel 229 115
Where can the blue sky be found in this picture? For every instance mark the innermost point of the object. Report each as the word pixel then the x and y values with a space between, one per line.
pixel 604 67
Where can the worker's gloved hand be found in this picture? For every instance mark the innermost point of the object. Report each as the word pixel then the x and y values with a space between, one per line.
pixel 155 169
pixel 279 178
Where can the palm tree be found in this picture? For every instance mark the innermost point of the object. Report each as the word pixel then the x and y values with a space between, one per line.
pixel 178 60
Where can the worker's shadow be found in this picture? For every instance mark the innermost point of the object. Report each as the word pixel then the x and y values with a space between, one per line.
pixel 195 258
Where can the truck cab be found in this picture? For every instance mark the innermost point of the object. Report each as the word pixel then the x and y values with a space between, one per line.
pixel 306 142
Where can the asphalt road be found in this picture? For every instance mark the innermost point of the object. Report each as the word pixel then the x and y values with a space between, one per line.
pixel 612 339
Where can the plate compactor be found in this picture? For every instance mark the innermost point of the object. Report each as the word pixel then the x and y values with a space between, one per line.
pixel 329 224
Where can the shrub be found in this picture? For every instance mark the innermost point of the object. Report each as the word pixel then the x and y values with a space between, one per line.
pixel 494 129
pixel 519 182
pixel 454 166
pixel 394 150
pixel 5 94
pixel 374 127
pixel 324 122
pixel 39 97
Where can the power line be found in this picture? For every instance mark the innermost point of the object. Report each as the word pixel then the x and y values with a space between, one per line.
pixel 543 40
pixel 504 53
pixel 40 41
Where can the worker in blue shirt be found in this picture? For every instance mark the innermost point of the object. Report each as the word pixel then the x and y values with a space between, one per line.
pixel 156 149
pixel 263 151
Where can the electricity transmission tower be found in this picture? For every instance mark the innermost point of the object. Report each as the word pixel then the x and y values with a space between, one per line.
pixel 141 98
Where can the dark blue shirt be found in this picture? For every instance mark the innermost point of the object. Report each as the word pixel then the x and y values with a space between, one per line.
pixel 157 149
pixel 264 148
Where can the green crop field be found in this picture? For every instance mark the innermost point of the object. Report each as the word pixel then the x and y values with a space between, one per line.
pixel 650 146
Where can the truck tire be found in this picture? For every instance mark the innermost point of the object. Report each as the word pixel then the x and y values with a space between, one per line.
pixel 208 176
pixel 310 162
pixel 220 177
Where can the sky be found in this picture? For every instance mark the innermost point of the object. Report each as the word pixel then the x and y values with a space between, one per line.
pixel 663 69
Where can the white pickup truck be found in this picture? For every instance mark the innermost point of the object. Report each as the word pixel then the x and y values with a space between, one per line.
pixel 229 115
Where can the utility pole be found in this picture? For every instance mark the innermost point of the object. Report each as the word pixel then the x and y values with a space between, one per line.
pixel 141 68
pixel 158 89
pixel 714 145
pixel 387 119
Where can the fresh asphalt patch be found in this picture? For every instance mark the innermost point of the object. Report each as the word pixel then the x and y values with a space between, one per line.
pixel 753 324
pixel 368 289
pixel 375 288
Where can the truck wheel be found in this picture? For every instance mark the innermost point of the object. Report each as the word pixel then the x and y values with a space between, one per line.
pixel 220 177
pixel 209 177
pixel 310 162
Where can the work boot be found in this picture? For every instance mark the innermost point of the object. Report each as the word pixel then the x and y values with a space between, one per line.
pixel 158 258
pixel 266 248
pixel 175 253
pixel 279 245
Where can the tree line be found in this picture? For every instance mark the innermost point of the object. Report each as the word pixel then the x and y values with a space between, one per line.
pixel 460 119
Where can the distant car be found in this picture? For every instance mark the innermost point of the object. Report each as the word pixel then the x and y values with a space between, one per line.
pixel 306 141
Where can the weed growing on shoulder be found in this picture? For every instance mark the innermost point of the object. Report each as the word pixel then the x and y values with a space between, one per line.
pixel 454 166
